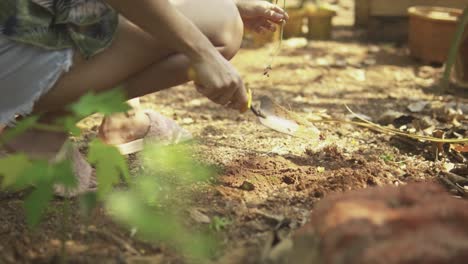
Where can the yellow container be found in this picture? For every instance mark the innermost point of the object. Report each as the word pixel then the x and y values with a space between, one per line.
pixel 293 28
pixel 319 22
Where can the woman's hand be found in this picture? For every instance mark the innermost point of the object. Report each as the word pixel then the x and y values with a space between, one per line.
pixel 218 80
pixel 259 15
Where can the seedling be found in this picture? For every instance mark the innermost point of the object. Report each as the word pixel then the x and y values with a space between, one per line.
pixel 219 223
pixel 387 157
pixel 275 52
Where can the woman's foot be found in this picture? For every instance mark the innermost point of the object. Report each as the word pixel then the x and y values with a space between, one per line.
pixel 130 131
pixel 123 128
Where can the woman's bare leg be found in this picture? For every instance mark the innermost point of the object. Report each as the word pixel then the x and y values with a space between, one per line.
pixel 141 63
pixel 122 128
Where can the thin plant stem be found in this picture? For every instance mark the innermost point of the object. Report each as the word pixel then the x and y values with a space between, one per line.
pixel 452 56
pixel 277 50
pixel 65 217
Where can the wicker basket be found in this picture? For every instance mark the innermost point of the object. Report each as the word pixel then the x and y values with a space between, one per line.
pixel 431 30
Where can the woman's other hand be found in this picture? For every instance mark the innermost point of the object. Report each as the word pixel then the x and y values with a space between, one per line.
pixel 260 16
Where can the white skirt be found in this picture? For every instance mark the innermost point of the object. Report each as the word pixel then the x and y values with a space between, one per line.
pixel 27 73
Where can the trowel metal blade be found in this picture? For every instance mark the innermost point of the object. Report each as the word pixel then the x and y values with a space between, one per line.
pixel 274 117
pixel 279 124
pixel 278 118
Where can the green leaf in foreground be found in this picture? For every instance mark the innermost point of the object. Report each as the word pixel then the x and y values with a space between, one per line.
pixel 12 167
pixel 127 208
pixel 36 203
pixel 109 102
pixel 69 125
pixel 43 175
pixel 110 165
pixel 177 160
pixel 140 206
pixel 40 171
pixel 88 202
pixel 63 174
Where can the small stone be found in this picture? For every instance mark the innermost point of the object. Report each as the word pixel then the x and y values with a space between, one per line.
pixel 322 62
pixel 423 123
pixel 133 231
pixel 369 62
pixel 195 102
pixel 318 194
pixel 280 150
pixel 373 49
pixel 359 75
pixel 187 121
pixel 388 117
pixel 288 180
pixel 205 117
pixel 247 186
pixel 417 107
pixel 55 243
pixel 426 72
pixel 448 166
pixel 340 63
pixel 199 217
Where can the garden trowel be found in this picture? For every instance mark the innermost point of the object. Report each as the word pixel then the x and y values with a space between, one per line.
pixel 278 118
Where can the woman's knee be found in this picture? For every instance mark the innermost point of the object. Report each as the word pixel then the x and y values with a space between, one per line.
pixel 219 20
pixel 230 36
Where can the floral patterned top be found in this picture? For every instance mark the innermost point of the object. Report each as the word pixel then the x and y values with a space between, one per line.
pixel 87 25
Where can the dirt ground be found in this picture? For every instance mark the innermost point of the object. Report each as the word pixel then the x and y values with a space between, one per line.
pixel 268 180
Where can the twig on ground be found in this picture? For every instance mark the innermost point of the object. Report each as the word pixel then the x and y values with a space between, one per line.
pixel 461 191
pixel 382 129
pixel 116 239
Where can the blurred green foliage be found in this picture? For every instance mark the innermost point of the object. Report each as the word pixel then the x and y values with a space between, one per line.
pixel 136 203
pixel 219 223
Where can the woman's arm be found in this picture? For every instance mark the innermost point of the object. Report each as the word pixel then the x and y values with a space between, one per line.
pixel 217 78
pixel 159 18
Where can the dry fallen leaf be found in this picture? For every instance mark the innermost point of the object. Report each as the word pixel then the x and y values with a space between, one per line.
pixel 463 148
